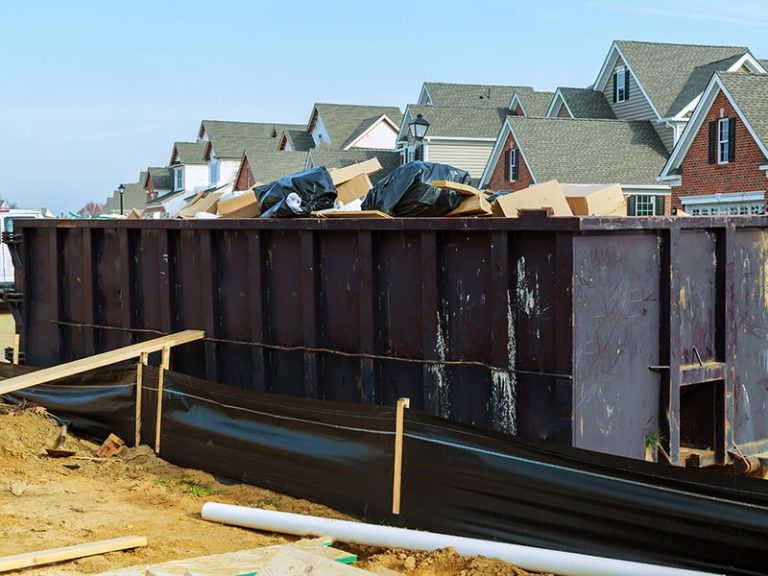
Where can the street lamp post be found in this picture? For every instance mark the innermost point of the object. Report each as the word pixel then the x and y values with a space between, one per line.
pixel 417 128
pixel 121 189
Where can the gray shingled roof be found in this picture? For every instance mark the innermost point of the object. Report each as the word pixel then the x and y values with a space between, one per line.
pixel 674 74
pixel 274 164
pixel 134 196
pixel 300 140
pixel 388 159
pixel 190 152
pixel 535 103
pixel 587 103
pixel 750 93
pixel 343 121
pixel 585 151
pixel 234 147
pixel 162 178
pixel 457 122
pixel 473 95
pixel 229 138
pixel 763 63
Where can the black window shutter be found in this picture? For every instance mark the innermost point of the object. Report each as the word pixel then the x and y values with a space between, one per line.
pixel 515 165
pixel 712 141
pixel 659 205
pixel 614 87
pixel 626 84
pixel 731 139
pixel 631 203
pixel 506 164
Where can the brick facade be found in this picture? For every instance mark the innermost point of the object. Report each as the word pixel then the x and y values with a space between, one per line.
pixel 699 178
pixel 244 176
pixel 497 181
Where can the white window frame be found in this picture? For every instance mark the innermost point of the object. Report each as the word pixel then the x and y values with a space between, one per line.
pixel 621 82
pixel 178 179
pixel 514 159
pixel 215 171
pixel 645 205
pixel 723 143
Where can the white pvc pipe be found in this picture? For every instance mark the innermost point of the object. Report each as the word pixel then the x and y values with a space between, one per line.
pixel 527 557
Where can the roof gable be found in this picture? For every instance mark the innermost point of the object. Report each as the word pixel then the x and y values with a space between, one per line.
pixel 344 122
pixel 531 102
pixel 581 103
pixel 471 95
pixel 188 153
pixel 456 122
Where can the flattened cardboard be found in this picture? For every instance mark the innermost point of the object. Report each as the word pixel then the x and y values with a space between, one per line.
pixel 245 205
pixel 354 188
pixel 205 204
pixel 341 175
pixel 544 195
pixel 464 189
pixel 595 199
pixel 475 205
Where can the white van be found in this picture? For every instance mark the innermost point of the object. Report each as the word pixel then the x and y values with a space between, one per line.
pixel 7 217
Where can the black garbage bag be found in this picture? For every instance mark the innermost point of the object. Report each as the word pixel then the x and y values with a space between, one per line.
pixel 498 194
pixel 407 190
pixel 297 195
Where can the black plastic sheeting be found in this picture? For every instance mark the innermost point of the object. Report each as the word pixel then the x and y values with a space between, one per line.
pixel 407 190
pixel 297 195
pixel 456 479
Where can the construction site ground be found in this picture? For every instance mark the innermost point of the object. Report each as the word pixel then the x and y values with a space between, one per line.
pixel 52 502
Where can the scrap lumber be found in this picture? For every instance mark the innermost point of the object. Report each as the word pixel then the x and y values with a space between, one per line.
pixel 473 206
pixel 294 561
pixel 341 175
pixel 98 361
pixel 230 563
pixel 353 188
pixel 245 205
pixel 205 204
pixel 545 195
pixel 595 199
pixel 53 555
pixel 464 189
pixel 397 477
pixel 353 214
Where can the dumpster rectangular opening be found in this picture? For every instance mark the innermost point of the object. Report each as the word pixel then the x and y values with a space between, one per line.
pixel 700 424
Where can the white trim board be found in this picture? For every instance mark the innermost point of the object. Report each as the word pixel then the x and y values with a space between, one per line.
pixel 379 120
pixel 725 198
pixel 551 113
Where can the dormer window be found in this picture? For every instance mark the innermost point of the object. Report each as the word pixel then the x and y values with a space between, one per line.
pixel 620 85
pixel 178 178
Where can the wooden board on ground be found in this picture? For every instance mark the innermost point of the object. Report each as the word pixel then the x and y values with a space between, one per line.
pixel 545 195
pixel 473 206
pixel 353 214
pixel 294 561
pixel 53 555
pixel 231 563
pixel 98 360
pixel 354 188
pixel 464 189
pixel 341 175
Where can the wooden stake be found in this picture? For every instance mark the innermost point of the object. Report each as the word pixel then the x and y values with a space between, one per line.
pixel 143 359
pixel 402 404
pixel 69 552
pixel 16 344
pixel 165 363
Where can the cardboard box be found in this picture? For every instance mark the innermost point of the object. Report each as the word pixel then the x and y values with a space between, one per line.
pixel 341 175
pixel 354 188
pixel 245 205
pixel 207 203
pixel 464 189
pixel 544 195
pixel 595 199
pixel 475 205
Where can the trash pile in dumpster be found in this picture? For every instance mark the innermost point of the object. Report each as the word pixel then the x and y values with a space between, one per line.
pixel 415 189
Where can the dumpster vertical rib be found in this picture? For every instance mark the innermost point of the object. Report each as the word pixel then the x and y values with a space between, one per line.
pixel 368 392
pixel 563 305
pixel 499 302
pixel 726 328
pixel 88 287
pixel 125 264
pixel 430 296
pixel 209 302
pixel 257 297
pixel 669 355
pixel 54 269
pixel 309 300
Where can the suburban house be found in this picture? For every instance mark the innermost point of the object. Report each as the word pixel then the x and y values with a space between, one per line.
pixel 720 165
pixel 663 83
pixel 190 169
pixel 157 181
pixel 263 166
pixel 579 103
pixel 529 102
pixel 162 200
pixel 581 151
pixel 348 126
pixel 467 95
pixel 226 142
pixel 461 137
pixel 134 196
pixel 389 159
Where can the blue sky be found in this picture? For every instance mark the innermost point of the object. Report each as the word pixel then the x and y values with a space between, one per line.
pixel 92 92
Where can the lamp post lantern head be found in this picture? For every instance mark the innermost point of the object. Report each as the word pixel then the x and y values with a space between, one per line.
pixel 121 189
pixel 418 127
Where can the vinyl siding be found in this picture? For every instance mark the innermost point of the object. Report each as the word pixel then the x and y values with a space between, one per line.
pixel 636 108
pixel 470 157
pixel 666 133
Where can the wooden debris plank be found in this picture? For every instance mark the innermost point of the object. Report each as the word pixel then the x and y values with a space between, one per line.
pixel 354 214
pixel 473 206
pixel 295 561
pixel 465 189
pixel 98 361
pixel 231 563
pixel 53 555
pixel 397 477
pixel 341 175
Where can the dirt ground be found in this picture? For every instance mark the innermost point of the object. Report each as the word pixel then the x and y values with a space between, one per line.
pixel 51 502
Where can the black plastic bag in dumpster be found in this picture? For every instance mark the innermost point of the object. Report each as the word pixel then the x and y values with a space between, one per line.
pixel 297 194
pixel 406 191
pixel 498 194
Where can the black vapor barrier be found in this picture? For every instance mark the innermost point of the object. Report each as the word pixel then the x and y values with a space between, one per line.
pixel 456 479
